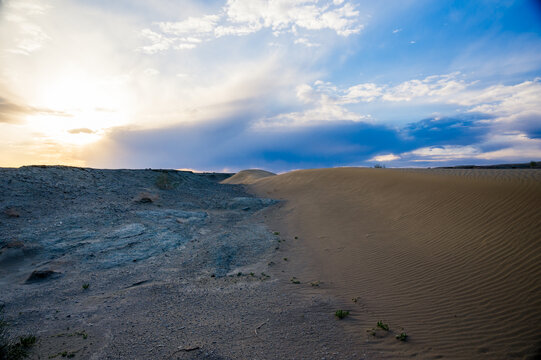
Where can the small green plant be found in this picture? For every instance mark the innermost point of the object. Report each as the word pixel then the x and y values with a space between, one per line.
pixel 294 280
pixel 402 337
pixel 86 286
pixel 383 326
pixel 315 283
pixel 27 341
pixel 239 274
pixel 83 334
pixel 252 274
pixel 13 350
pixel 285 259
pixel 341 314
pixel 276 233
pixel 296 237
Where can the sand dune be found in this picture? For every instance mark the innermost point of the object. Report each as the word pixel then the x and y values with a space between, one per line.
pixel 453 257
pixel 247 176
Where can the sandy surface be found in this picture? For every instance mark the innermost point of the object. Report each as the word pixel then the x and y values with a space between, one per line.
pixel 247 176
pixel 177 265
pixel 451 257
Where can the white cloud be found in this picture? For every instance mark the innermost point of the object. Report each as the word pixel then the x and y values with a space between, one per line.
pixel 386 157
pixel 320 107
pixel 442 153
pixel 510 147
pixel 151 72
pixel 396 31
pixel 192 26
pixel 306 42
pixel 244 17
pixel 27 35
pixel 28 7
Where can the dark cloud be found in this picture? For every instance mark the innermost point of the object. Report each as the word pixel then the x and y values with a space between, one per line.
pixel 462 130
pixel 11 112
pixel 81 131
pixel 234 144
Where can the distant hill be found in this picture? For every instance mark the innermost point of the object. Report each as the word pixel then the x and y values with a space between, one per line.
pixel 528 165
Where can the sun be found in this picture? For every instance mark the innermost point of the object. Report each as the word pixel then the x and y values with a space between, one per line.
pixel 78 108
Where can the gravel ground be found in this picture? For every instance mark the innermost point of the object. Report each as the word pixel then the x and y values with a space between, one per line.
pixel 153 264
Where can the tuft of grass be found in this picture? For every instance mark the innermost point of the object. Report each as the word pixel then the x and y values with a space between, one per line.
pixel 13 350
pixel 379 166
pixel 285 259
pixel 294 280
pixel 163 182
pixel 315 283
pixel 86 286
pixel 383 326
pixel 341 314
pixel 276 233
pixel 402 336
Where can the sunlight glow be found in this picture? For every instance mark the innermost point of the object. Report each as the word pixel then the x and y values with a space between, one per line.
pixel 83 108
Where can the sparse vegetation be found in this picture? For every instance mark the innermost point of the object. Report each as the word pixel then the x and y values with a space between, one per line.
pixel 315 283
pixel 355 299
pixel 65 354
pixel 341 314
pixel 379 166
pixel 402 336
pixel 285 259
pixel 294 280
pixel 533 164
pixel 163 182
pixel 13 350
pixel 296 237
pixel 276 233
pixel 383 326
pixel 86 286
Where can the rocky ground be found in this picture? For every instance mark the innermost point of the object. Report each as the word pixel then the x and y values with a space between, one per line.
pixel 152 264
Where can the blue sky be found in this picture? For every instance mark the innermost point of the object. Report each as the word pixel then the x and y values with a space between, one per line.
pixel 273 84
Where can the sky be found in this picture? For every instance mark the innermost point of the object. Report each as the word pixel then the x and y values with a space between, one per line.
pixel 225 85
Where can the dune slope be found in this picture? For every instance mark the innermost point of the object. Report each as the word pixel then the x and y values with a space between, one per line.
pixel 247 176
pixel 452 257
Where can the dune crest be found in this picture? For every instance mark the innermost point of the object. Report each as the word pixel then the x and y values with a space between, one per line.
pixel 248 176
pixel 452 257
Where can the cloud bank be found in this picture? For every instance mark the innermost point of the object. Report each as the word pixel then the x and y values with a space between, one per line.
pixel 244 17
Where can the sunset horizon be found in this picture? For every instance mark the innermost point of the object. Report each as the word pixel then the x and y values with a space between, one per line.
pixel 279 85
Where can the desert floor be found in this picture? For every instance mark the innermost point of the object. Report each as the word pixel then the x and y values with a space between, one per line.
pixel 452 258
pixel 144 264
